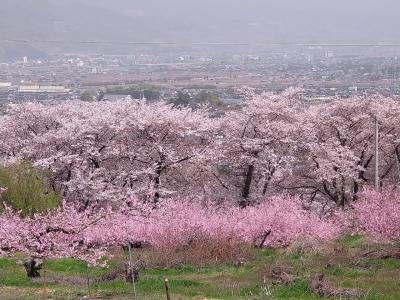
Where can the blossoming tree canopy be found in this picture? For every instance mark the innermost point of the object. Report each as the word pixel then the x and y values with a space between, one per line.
pixel 258 140
pixel 377 215
pixel 100 151
pixel 273 144
pixel 55 234
pixel 341 151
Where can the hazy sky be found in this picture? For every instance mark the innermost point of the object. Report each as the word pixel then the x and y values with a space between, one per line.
pixel 255 21
pixel 278 20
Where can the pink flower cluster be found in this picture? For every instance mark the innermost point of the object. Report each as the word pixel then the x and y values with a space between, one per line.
pixel 87 235
pixel 57 234
pixel 377 214
pixel 277 222
pixel 282 220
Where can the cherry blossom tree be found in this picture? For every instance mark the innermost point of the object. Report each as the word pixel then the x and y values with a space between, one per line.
pixel 68 232
pixel 335 157
pixel 275 143
pixel 64 232
pixel 98 152
pixel 258 142
pixel 10 237
pixel 277 222
pixel 377 215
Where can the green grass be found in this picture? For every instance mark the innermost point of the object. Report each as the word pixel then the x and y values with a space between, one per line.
pixel 352 241
pixel 7 263
pixel 299 290
pixel 348 272
pixel 342 263
pixel 67 266
pixel 261 253
pixel 390 264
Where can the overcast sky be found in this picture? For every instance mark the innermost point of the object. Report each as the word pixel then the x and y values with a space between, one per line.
pixel 297 21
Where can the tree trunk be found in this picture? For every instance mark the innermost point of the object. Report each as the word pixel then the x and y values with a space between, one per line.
pixel 264 239
pixel 246 188
pixel 268 179
pixel 32 267
pixel 156 183
pixel 131 273
pixel 355 190
pixel 343 199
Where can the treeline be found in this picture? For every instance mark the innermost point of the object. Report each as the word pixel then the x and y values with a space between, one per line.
pixel 275 144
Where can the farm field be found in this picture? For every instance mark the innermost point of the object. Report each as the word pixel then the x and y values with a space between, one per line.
pixel 347 264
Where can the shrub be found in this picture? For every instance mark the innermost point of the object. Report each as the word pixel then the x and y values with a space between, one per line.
pixel 278 222
pixel 377 215
pixel 26 189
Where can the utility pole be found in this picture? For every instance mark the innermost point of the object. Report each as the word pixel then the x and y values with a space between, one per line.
pixel 376 154
pixel 132 270
pixel 398 167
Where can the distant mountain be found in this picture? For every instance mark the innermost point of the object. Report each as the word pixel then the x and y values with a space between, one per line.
pixel 256 21
pixel 12 51
pixel 69 21
pixel 318 21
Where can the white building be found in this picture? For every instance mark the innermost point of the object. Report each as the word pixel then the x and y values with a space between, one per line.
pixel 5 85
pixel 42 89
pixel 112 98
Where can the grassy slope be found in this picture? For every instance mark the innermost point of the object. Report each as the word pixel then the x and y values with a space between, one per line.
pixel 342 264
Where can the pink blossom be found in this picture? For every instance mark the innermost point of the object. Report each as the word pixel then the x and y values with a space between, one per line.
pixel 377 215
